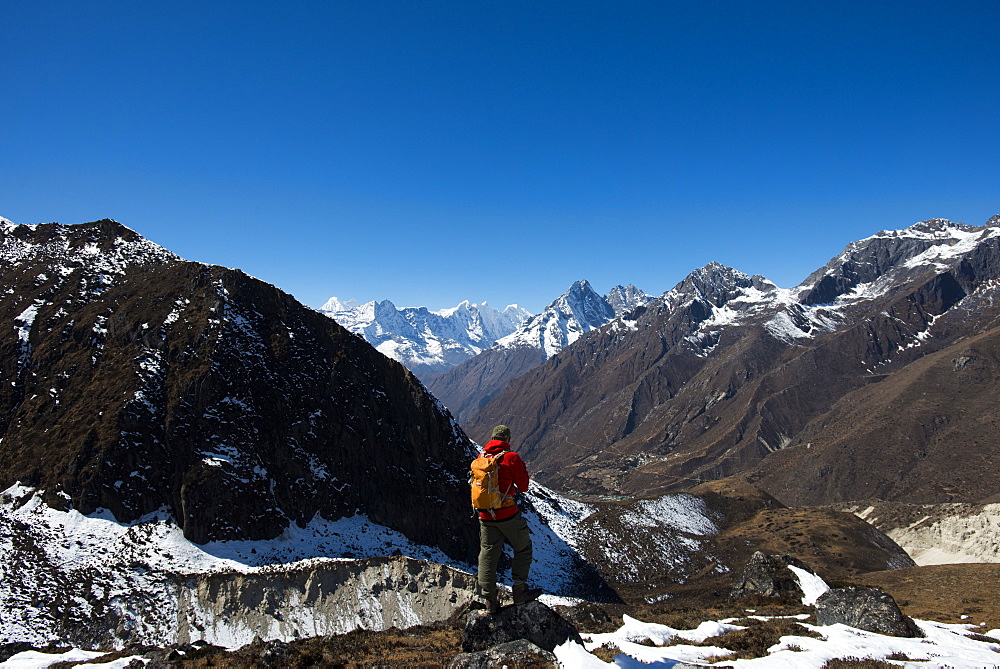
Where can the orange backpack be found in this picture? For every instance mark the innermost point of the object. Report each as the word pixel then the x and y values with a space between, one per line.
pixel 485 481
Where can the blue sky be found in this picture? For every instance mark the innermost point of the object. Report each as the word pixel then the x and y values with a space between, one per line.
pixel 429 152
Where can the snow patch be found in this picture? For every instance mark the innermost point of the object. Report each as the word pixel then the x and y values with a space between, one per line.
pixel 812 585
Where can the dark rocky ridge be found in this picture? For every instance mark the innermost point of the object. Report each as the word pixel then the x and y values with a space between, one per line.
pixel 132 380
pixel 724 372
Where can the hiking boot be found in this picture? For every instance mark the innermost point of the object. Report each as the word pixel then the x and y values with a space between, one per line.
pixel 492 602
pixel 523 594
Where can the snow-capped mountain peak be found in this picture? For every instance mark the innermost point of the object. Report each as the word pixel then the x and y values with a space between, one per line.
pixel 580 309
pixel 624 299
pixel 335 304
pixel 718 285
pixel 427 342
pixel 935 244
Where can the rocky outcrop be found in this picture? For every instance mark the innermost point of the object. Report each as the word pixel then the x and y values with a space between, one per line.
pixel 769 576
pixel 135 381
pixel 649 549
pixel 534 622
pixel 866 609
pixel 520 653
pixel 320 599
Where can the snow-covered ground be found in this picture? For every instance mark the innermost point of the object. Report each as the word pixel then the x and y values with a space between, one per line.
pixel 116 559
pixel 61 565
pixel 641 644
pixel 944 646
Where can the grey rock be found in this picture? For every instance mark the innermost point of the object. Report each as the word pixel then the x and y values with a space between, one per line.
pixel 534 622
pixel 588 616
pixel 866 609
pixel 520 653
pixel 768 575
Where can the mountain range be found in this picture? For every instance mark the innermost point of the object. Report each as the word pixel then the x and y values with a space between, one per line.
pixel 467 387
pixel 427 342
pixel 873 378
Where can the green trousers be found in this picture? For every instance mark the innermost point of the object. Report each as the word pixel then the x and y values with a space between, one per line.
pixel 492 535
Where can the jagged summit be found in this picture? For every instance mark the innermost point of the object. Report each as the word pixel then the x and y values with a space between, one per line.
pixel 580 309
pixel 624 299
pixel 928 246
pixel 469 386
pixel 717 284
pixel 937 227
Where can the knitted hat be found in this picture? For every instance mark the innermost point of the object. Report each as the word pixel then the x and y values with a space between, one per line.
pixel 501 432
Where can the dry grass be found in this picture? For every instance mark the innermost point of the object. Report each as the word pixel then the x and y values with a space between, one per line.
pixel 944 593
pixel 859 663
pixel 757 637
pixel 608 652
pixel 903 657
pixel 423 646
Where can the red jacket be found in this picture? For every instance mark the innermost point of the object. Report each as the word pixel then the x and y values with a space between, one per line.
pixel 512 475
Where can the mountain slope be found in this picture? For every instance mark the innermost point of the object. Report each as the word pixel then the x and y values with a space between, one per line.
pixel 470 386
pixel 427 342
pixel 934 422
pixel 727 369
pixel 135 382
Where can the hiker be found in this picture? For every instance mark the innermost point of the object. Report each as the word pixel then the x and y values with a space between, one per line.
pixel 503 472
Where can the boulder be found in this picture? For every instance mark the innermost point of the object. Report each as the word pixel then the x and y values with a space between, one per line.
pixel 520 653
pixel 588 617
pixel 769 576
pixel 534 622
pixel 867 609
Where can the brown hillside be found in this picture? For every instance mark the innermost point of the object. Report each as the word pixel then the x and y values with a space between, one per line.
pixel 925 434
pixel 945 592
pixel 468 387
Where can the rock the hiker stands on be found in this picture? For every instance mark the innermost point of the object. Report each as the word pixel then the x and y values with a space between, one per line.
pixel 534 622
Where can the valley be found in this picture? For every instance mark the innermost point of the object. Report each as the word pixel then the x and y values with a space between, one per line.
pixel 190 458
